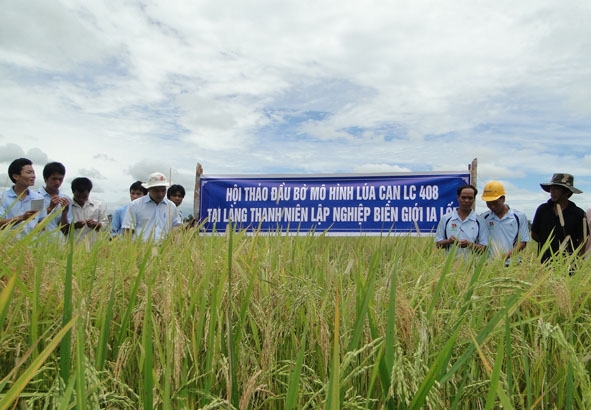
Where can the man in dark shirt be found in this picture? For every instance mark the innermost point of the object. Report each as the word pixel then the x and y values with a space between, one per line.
pixel 559 221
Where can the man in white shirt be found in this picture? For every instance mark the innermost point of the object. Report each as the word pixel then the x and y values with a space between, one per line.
pixel 152 217
pixel 463 227
pixel 89 215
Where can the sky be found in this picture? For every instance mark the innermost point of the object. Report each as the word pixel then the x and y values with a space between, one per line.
pixel 118 90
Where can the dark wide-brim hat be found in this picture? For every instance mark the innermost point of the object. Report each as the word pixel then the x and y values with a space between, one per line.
pixel 564 180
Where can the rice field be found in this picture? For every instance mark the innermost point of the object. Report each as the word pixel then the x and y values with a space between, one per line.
pixel 287 322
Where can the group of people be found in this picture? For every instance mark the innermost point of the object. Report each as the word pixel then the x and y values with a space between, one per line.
pixel 152 213
pixel 559 226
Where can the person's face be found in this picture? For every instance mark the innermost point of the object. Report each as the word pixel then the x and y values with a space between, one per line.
pixel 54 182
pixel 157 193
pixel 466 199
pixel 497 205
pixel 26 178
pixel 558 193
pixel 81 197
pixel 135 194
pixel 177 198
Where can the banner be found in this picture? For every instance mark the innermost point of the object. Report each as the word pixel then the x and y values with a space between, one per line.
pixel 348 204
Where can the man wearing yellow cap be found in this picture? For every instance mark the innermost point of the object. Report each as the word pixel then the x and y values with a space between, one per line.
pixel 508 227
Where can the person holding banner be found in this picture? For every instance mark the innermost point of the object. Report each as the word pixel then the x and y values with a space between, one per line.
pixel 559 221
pixel 508 227
pixel 152 217
pixel 463 227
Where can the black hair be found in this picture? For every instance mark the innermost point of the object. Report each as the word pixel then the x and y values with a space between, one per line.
pixel 174 189
pixel 81 184
pixel 138 186
pixel 53 168
pixel 16 167
pixel 466 186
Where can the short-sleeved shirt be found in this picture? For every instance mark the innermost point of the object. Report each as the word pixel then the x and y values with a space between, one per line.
pixel 506 232
pixel 150 220
pixel 546 224
pixel 54 224
pixel 92 209
pixel 473 229
pixel 11 207
pixel 117 219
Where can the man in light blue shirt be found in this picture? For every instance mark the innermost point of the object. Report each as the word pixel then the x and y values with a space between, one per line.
pixel 152 217
pixel 508 227
pixel 21 208
pixel 136 190
pixel 463 227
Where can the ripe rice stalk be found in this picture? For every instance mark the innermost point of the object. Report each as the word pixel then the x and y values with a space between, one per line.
pixel 147 357
pixel 333 399
pixel 80 365
pixel 107 313
pixel 19 385
pixel 291 398
pixel 66 344
pixel 5 298
pixel 230 335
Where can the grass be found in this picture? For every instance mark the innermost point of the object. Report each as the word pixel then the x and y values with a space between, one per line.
pixel 286 322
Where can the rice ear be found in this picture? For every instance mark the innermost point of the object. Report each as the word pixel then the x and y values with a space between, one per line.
pixel 565 243
pixel 560 216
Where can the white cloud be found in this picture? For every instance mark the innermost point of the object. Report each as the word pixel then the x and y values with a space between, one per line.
pixel 119 90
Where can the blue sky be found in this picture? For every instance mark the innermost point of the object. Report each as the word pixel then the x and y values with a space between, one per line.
pixel 116 91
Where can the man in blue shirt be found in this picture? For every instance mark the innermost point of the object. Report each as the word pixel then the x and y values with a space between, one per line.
pixel 20 205
pixel 508 227
pixel 152 217
pixel 463 227
pixel 136 190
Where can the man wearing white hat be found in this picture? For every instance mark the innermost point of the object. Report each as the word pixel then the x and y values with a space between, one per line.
pixel 508 227
pixel 152 216
pixel 559 221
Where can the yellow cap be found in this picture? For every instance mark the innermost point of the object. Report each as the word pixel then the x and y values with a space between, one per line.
pixel 493 191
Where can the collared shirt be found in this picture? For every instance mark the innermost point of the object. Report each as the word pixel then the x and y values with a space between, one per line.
pixel 11 207
pixel 92 209
pixel 149 220
pixel 117 219
pixel 546 225
pixel 55 216
pixel 473 229
pixel 506 232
